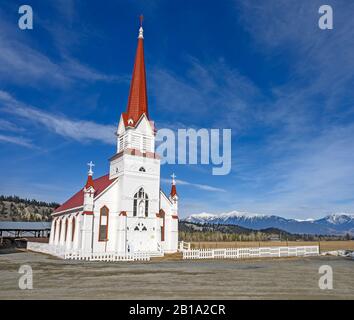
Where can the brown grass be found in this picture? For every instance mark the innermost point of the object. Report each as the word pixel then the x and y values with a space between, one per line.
pixel 324 245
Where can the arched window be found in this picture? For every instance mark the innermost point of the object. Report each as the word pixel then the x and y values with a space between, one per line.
pixel 60 225
pixel 55 227
pixel 103 229
pixel 142 169
pixel 66 229
pixel 162 215
pixel 141 204
pixel 73 229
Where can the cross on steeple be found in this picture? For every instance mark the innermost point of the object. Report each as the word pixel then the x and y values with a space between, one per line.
pixel 91 165
pixel 173 176
pixel 173 192
pixel 141 30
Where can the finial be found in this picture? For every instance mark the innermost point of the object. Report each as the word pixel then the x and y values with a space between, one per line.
pixel 173 176
pixel 91 165
pixel 141 30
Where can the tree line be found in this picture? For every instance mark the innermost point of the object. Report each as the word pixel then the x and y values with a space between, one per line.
pixel 28 202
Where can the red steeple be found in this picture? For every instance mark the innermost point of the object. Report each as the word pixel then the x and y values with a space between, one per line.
pixel 137 101
pixel 89 182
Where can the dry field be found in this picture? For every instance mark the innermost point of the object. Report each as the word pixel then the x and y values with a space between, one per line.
pixel 324 245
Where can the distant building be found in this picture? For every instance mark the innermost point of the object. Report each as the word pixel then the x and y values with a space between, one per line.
pixel 24 229
pixel 124 211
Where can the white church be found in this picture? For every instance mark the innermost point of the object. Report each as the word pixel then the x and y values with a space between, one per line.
pixel 125 211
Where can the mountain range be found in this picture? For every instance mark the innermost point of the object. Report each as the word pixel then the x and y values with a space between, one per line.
pixel 333 224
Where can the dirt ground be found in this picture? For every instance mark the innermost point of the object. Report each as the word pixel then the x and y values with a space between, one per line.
pixel 324 245
pixel 290 278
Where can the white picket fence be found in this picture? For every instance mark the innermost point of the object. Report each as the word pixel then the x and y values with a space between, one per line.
pixel 63 253
pixel 245 253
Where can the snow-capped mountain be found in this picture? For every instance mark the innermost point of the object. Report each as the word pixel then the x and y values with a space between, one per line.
pixel 337 223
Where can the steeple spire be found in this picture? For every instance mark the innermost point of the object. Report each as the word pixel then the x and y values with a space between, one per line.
pixel 89 182
pixel 137 101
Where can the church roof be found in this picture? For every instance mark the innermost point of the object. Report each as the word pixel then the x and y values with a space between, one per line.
pixel 137 101
pixel 77 200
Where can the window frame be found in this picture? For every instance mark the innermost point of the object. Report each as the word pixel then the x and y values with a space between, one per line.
pixel 100 225
pixel 66 229
pixel 73 222
pixel 59 235
pixel 139 196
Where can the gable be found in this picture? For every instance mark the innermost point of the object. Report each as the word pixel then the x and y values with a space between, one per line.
pixel 145 126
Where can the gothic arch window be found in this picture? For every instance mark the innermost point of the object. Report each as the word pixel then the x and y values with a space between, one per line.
pixel 55 227
pixel 141 204
pixel 66 229
pixel 103 228
pixel 73 229
pixel 162 215
pixel 60 221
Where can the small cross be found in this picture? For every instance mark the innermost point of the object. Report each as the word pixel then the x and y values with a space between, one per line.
pixel 91 165
pixel 141 20
pixel 173 176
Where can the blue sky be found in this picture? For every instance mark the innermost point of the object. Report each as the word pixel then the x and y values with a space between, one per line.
pixel 262 68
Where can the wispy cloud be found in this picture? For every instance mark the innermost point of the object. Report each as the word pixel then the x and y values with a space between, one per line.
pixel 9 126
pixel 215 90
pixel 320 65
pixel 299 159
pixel 17 140
pixel 307 155
pixel 79 130
pixel 204 187
pixel 22 63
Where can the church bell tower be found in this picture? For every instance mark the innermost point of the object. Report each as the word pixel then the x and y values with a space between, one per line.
pixel 135 164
